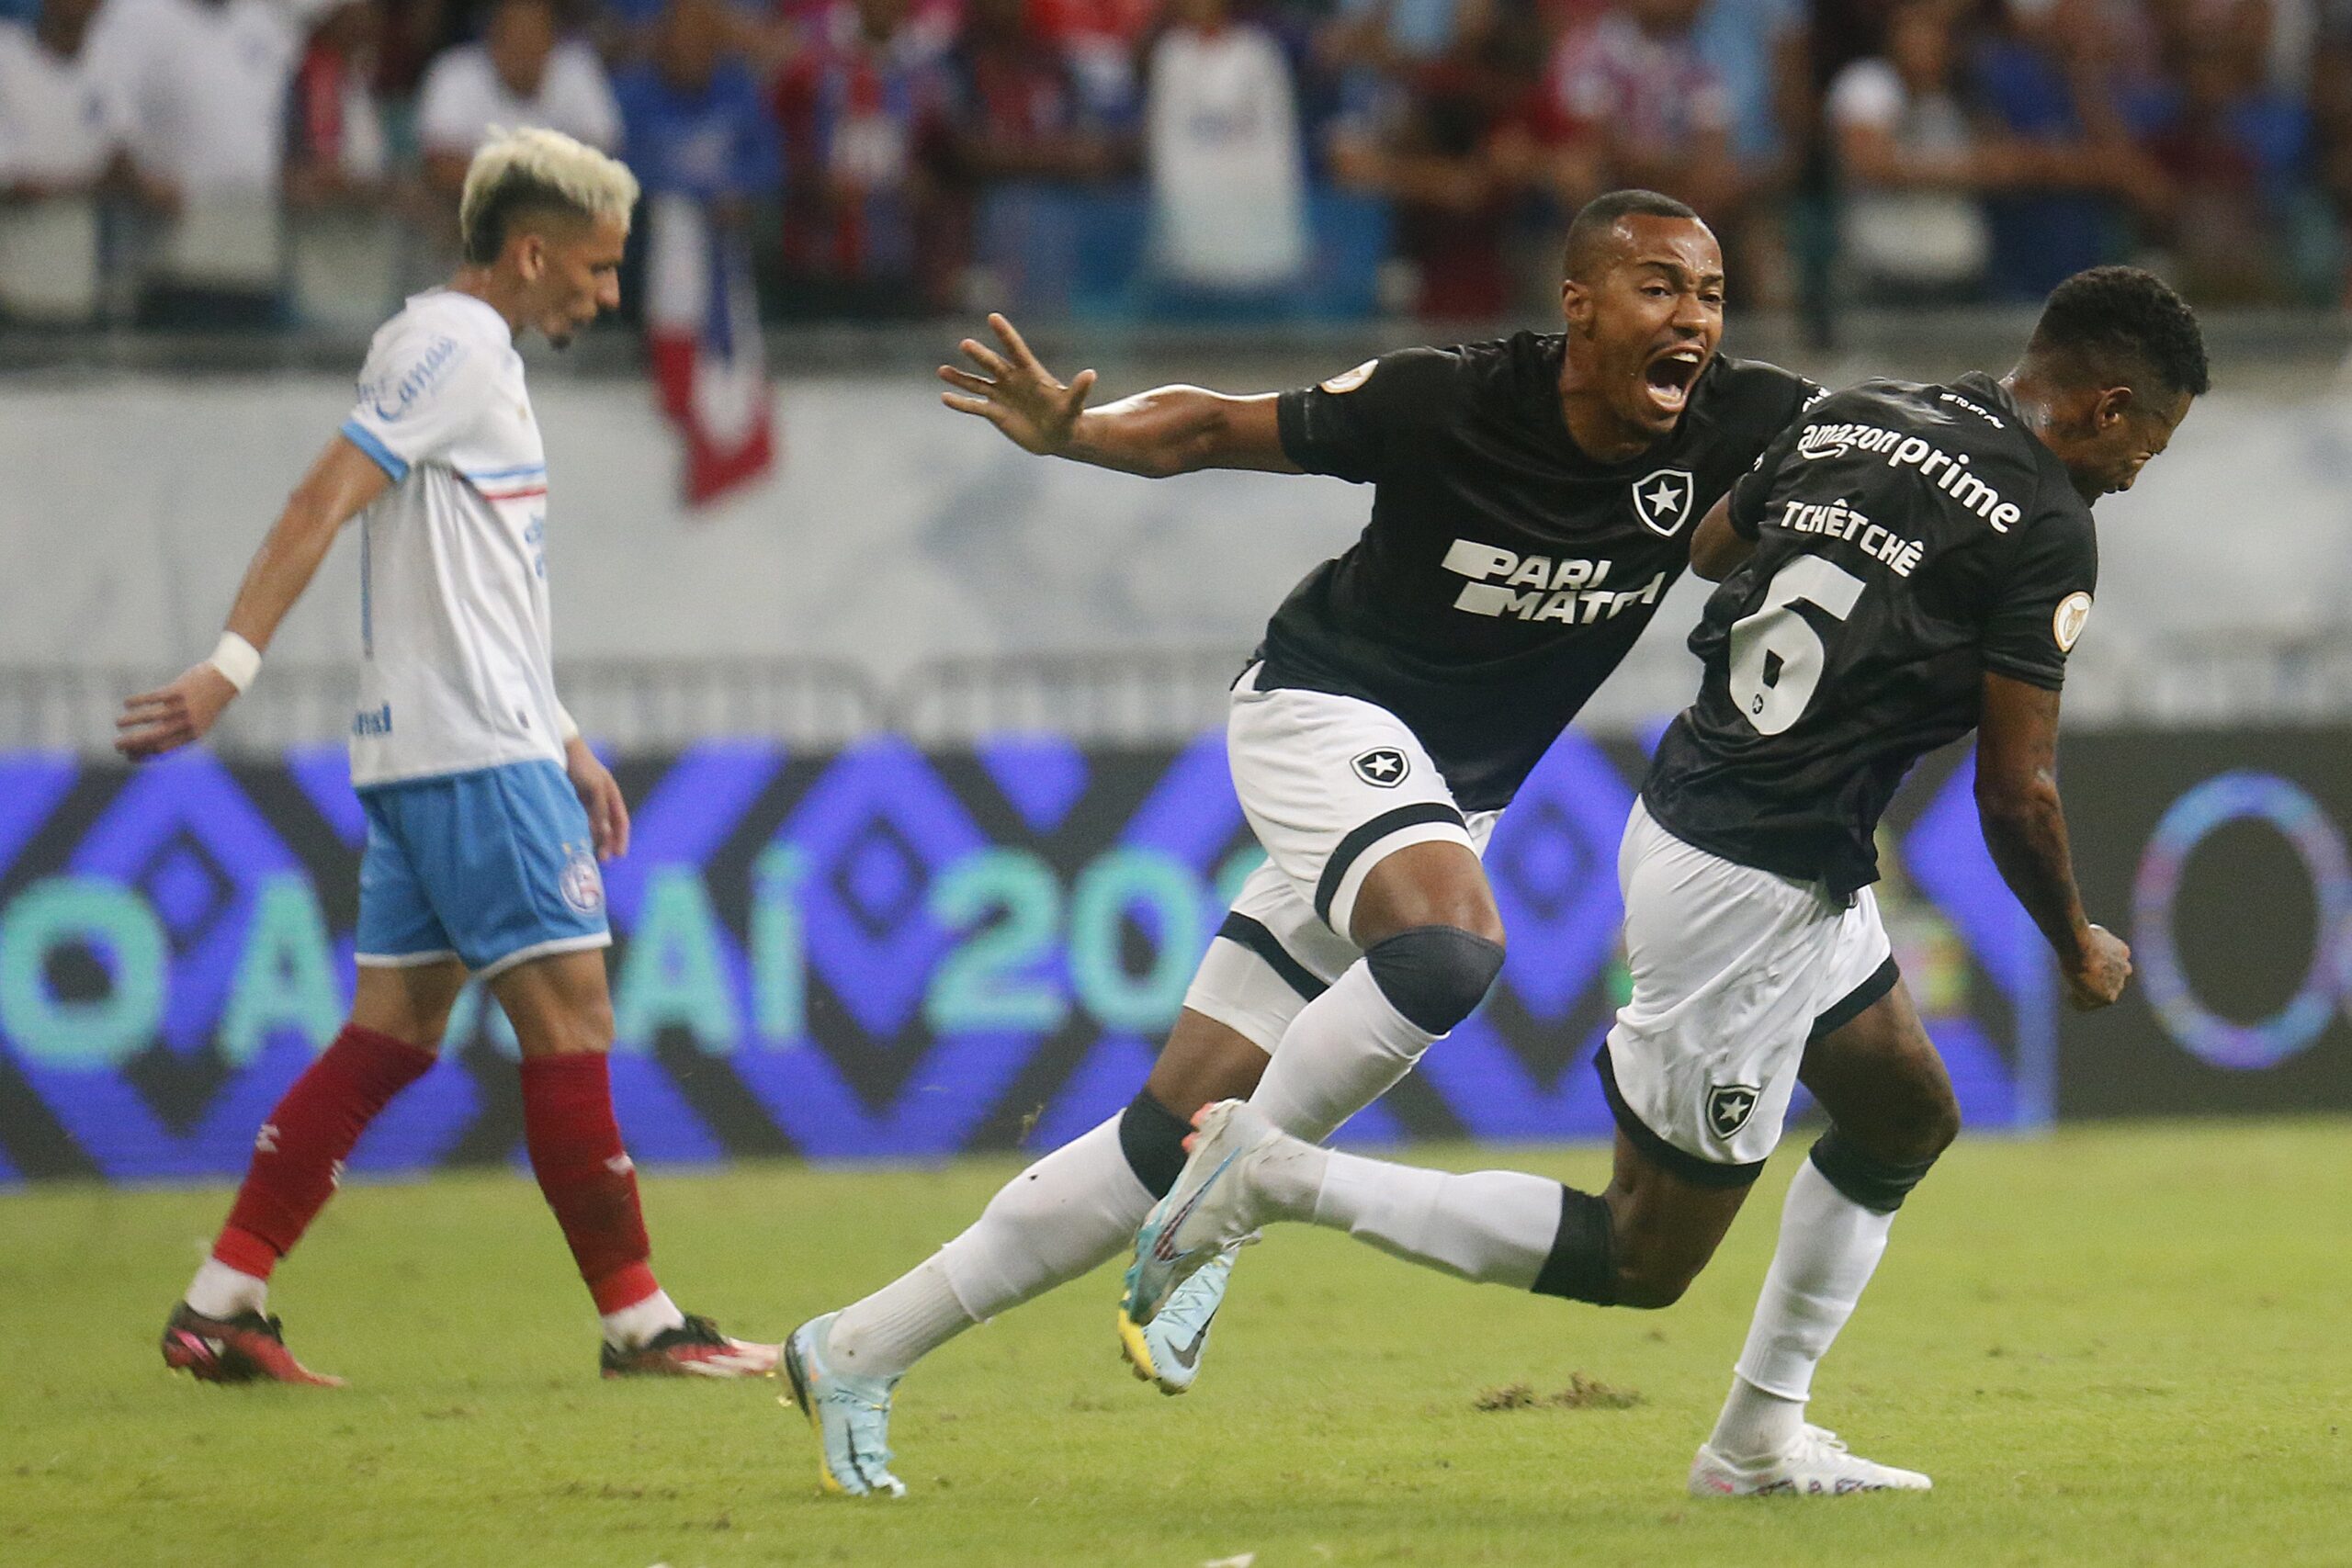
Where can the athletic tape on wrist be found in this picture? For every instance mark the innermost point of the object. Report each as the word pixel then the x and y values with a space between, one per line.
pixel 238 660
pixel 566 726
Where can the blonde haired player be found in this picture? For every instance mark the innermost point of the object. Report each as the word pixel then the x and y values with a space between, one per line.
pixel 486 813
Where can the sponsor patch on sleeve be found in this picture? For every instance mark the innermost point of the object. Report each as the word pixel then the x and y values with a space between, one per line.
pixel 1348 380
pixel 394 393
pixel 2067 625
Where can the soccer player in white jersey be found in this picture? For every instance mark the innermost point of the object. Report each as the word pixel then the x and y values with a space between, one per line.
pixel 486 813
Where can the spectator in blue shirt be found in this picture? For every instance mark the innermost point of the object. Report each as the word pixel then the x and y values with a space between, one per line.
pixel 2042 79
pixel 2234 205
pixel 694 121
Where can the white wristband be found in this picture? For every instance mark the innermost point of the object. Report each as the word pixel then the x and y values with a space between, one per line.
pixel 238 660
pixel 566 726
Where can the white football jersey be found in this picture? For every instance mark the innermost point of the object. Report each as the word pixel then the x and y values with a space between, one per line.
pixel 456 667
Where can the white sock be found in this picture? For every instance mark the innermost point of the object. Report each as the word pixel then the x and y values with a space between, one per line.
pixel 905 1320
pixel 634 1324
pixel 1074 1209
pixel 1492 1225
pixel 1344 1050
pixel 1829 1245
pixel 219 1290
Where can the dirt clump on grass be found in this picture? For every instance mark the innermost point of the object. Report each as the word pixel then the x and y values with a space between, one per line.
pixel 1582 1393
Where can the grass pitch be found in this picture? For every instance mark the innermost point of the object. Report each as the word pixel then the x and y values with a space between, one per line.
pixel 2118 1346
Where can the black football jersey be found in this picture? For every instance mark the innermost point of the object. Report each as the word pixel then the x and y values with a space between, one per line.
pixel 1908 539
pixel 1504 573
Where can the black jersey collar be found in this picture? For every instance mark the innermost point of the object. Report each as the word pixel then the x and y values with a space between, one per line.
pixel 1991 393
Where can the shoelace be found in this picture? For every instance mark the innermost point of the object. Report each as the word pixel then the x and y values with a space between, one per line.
pixel 1823 1437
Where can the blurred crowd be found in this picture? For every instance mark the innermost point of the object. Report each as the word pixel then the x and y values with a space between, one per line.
pixel 256 162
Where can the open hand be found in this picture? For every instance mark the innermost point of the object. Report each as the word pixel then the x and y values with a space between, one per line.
pixel 607 812
pixel 174 715
pixel 1017 395
pixel 2098 979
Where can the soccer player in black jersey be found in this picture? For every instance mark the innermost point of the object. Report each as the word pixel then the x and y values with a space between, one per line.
pixel 1533 500
pixel 1906 564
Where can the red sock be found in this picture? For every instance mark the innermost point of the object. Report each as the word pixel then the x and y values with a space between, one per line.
pixel 586 1175
pixel 299 1154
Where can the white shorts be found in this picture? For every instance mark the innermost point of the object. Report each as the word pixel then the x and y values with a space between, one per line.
pixel 1734 971
pixel 1324 823
pixel 1332 785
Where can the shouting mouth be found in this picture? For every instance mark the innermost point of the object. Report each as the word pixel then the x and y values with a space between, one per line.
pixel 1669 376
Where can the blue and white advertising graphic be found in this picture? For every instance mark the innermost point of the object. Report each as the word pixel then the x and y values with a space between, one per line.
pixel 875 953
pixel 2221 856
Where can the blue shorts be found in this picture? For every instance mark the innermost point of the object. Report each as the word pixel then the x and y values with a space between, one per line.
pixel 494 867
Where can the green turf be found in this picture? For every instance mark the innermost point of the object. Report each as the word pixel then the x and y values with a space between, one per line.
pixel 2118 1346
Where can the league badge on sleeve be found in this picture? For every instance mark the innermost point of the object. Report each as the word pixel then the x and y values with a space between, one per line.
pixel 2067 625
pixel 1348 380
pixel 1662 500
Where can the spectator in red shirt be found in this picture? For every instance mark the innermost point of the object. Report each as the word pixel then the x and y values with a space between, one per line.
pixel 337 151
pixel 2234 156
pixel 1014 107
pixel 1458 156
pixel 1635 81
pixel 862 108
pixel 1646 104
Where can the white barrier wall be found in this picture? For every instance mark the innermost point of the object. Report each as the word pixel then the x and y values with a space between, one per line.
pixel 897 531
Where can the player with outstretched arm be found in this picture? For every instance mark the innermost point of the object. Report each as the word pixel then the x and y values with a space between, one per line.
pixel 486 813
pixel 1906 564
pixel 1532 500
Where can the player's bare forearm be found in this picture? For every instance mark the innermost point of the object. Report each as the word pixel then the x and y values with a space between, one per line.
pixel 1181 430
pixel 340 485
pixel 607 810
pixel 1170 430
pixel 2025 830
pixel 1716 548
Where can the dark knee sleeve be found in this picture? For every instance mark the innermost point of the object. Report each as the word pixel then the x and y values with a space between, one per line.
pixel 1876 1184
pixel 1434 974
pixel 1583 1264
pixel 1152 1138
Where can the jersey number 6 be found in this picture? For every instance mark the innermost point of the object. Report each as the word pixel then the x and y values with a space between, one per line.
pixel 1774 697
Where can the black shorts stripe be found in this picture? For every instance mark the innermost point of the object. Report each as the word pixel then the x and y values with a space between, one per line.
pixel 1681 1162
pixel 1327 887
pixel 1858 1002
pixel 1242 929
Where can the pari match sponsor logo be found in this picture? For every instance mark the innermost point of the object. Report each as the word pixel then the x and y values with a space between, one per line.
pixel 1569 590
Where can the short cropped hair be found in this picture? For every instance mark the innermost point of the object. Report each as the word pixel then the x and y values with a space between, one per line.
pixel 1590 232
pixel 2126 327
pixel 533 171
